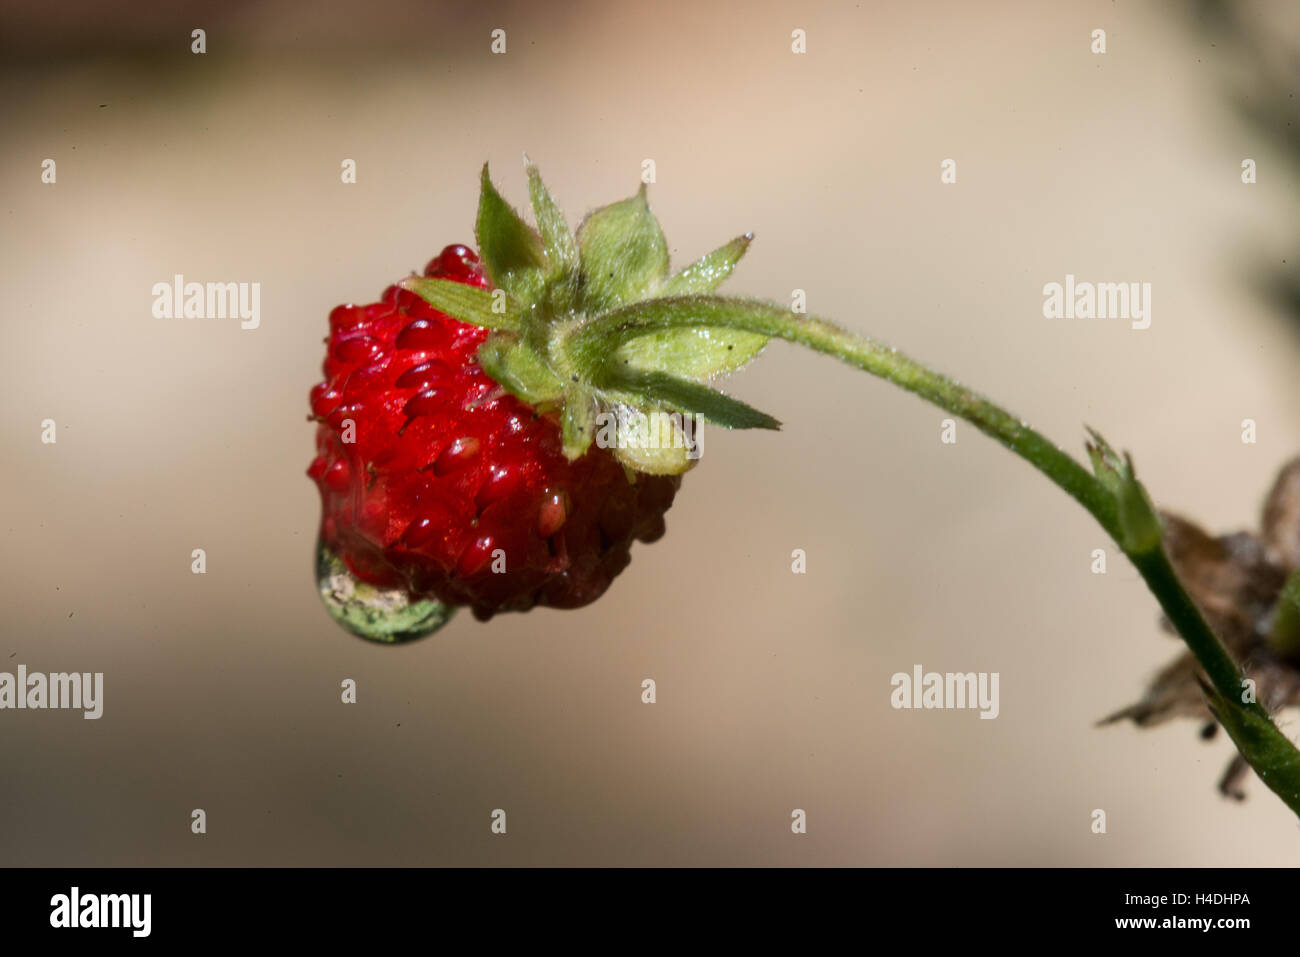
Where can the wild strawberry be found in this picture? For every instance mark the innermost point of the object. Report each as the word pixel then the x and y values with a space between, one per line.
pixel 480 462
pixel 450 486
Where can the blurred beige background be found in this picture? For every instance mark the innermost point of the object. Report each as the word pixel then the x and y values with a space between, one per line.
pixel 222 690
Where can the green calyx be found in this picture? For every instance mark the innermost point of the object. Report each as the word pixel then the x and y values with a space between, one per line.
pixel 1137 525
pixel 593 327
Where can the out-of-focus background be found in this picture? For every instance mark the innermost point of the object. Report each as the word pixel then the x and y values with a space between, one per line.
pixel 222 691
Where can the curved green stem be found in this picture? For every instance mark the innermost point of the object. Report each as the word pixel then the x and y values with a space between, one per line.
pixel 1158 573
pixel 890 364
pixel 1116 500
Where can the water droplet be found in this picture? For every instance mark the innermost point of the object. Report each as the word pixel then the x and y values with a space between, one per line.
pixel 385 615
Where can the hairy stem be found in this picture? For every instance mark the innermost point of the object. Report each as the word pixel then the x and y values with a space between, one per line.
pixel 905 372
pixel 1268 751
pixel 1158 572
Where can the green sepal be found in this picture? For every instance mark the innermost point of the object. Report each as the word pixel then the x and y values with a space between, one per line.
pixel 578 422
pixel 623 254
pixel 707 273
pixel 698 353
pixel 511 249
pixel 520 370
pixel 1139 526
pixel 591 344
pixel 1257 737
pixel 655 459
pixel 558 243
pixel 652 442
pixel 693 353
pixel 465 303
pixel 659 390
pixel 593 326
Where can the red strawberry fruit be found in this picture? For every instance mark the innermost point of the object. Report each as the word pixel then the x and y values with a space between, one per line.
pixel 479 462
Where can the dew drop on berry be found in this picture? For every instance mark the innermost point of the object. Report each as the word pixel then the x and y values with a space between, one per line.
pixel 386 615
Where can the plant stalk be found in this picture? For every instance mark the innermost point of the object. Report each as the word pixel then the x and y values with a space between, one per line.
pixel 1272 755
